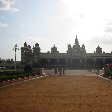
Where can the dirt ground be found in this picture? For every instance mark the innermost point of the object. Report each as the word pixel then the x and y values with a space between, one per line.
pixel 67 93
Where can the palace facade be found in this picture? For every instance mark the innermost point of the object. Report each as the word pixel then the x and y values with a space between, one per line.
pixel 75 58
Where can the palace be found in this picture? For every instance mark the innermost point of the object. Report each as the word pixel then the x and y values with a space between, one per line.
pixel 75 58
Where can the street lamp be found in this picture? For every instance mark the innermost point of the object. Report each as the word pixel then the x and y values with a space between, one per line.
pixel 15 49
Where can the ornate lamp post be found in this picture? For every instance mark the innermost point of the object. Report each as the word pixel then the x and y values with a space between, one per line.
pixel 15 49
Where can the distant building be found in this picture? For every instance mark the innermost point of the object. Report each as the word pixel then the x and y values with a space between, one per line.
pixel 6 63
pixel 98 49
pixel 76 49
pixel 75 58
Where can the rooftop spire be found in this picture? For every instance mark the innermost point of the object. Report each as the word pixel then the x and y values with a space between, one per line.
pixel 76 41
pixel 76 36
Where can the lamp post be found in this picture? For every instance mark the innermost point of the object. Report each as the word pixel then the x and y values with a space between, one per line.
pixel 15 49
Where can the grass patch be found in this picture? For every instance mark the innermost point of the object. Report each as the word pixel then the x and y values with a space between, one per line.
pixel 11 74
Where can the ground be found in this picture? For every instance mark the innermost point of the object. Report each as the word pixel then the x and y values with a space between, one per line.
pixel 76 91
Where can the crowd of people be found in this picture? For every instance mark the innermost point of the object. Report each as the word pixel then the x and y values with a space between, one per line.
pixel 59 71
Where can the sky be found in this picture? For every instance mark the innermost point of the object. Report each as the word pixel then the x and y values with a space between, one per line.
pixel 50 22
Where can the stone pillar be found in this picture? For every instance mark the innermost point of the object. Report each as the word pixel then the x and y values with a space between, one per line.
pixel 71 62
pixel 48 60
pixel 66 60
pixel 85 61
pixel 81 63
pixel 94 62
pixel 57 61
pixel 103 60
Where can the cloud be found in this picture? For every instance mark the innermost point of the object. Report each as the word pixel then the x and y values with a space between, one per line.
pixel 7 5
pixel 3 25
pixel 108 29
pixel 44 43
pixel 109 22
pixel 104 39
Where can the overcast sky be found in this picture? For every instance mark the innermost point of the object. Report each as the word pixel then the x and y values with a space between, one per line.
pixel 50 22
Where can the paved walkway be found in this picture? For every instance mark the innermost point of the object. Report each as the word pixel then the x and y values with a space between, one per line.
pixel 79 72
pixel 75 92
pixel 70 72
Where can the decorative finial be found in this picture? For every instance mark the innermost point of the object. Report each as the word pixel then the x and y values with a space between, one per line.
pixel 76 36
